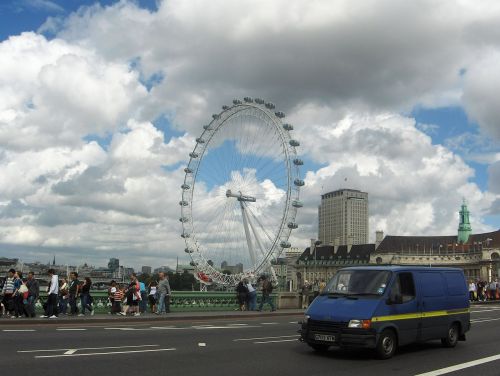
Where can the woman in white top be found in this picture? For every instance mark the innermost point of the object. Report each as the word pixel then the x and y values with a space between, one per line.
pixel 472 291
pixel 152 297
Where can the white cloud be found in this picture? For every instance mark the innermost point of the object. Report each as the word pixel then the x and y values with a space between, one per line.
pixel 343 71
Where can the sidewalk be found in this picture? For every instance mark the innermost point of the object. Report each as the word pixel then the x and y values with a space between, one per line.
pixel 149 317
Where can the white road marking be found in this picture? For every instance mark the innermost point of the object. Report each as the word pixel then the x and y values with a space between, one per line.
pixel 477 321
pixel 18 330
pixel 69 352
pixel 223 327
pixel 269 323
pixel 277 341
pixel 104 353
pixel 294 322
pixel 253 339
pixel 461 366
pixel 88 348
pixel 238 324
pixel 202 344
pixel 70 329
pixel 168 328
pixel 486 310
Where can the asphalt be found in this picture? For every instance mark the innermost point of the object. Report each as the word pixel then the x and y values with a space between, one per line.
pixel 227 345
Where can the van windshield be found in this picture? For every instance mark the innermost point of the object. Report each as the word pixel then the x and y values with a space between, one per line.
pixel 358 282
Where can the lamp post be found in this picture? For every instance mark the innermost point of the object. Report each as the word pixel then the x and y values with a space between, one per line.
pixel 316 243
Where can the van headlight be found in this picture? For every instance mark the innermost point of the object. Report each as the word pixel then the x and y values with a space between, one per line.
pixel 306 318
pixel 361 324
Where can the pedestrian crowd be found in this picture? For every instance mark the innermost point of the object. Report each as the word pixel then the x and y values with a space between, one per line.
pixel 18 296
pixel 310 291
pixel 246 294
pixel 480 290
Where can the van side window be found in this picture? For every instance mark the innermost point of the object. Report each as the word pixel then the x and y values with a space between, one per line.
pixel 404 287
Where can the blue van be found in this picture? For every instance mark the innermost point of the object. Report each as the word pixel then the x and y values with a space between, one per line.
pixel 383 307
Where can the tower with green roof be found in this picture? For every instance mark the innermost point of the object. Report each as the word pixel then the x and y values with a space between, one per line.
pixel 464 229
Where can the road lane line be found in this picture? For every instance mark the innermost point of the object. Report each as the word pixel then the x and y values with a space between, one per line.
pixel 88 348
pixel 253 339
pixel 477 321
pixel 223 327
pixel 168 328
pixel 69 352
pixel 70 329
pixel 461 366
pixel 269 323
pixel 237 324
pixel 18 330
pixel 486 310
pixel 105 353
pixel 283 340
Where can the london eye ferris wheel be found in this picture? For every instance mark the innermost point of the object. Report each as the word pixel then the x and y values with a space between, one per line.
pixel 241 192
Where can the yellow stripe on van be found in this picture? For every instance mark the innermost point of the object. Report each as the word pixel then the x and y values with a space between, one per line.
pixel 420 315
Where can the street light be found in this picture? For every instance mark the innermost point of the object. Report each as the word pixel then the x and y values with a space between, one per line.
pixel 316 243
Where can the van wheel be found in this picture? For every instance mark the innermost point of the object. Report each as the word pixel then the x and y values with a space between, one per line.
pixel 387 344
pixel 319 348
pixel 452 338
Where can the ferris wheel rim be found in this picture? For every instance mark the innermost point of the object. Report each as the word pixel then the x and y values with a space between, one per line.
pixel 288 146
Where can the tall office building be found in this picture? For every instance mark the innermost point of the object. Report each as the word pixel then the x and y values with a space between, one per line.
pixel 343 217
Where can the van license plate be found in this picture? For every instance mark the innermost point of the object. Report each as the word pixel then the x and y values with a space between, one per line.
pixel 324 337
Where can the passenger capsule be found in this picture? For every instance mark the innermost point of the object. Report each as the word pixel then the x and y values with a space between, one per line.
pixel 192 263
pixel 187 170
pixel 185 235
pixel 193 155
pixel 216 116
pixel 288 127
pixel 285 245
pixel 207 127
pixel 188 250
pixel 298 162
pixel 225 107
pixel 236 101
pixel 185 186
pixel 183 203
pixel 259 101
pixel 292 225
pixel 294 143
pixel 280 114
pixel 297 204
pixel 200 140
pixel 298 182
pixel 270 105
pixel 183 219
pixel 248 99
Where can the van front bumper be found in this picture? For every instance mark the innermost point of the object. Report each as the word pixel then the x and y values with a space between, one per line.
pixel 312 331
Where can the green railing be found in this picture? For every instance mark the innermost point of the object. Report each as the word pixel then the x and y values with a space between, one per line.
pixel 181 301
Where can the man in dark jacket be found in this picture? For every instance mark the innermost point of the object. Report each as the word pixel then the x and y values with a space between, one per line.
pixel 267 289
pixel 33 294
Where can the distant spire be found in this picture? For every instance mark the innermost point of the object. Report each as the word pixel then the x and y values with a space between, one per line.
pixel 54 261
pixel 464 227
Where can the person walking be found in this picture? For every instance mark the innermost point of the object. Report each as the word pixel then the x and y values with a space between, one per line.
pixel 17 296
pixel 8 293
pixel 267 289
pixel 164 294
pixel 251 297
pixel 63 296
pixel 152 296
pixel 51 310
pixel 33 294
pixel 472 291
pixel 241 294
pixel 144 297
pixel 133 295
pixel 306 292
pixel 85 298
pixel 73 291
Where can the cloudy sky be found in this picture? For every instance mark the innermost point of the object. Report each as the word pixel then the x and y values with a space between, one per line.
pixel 100 104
